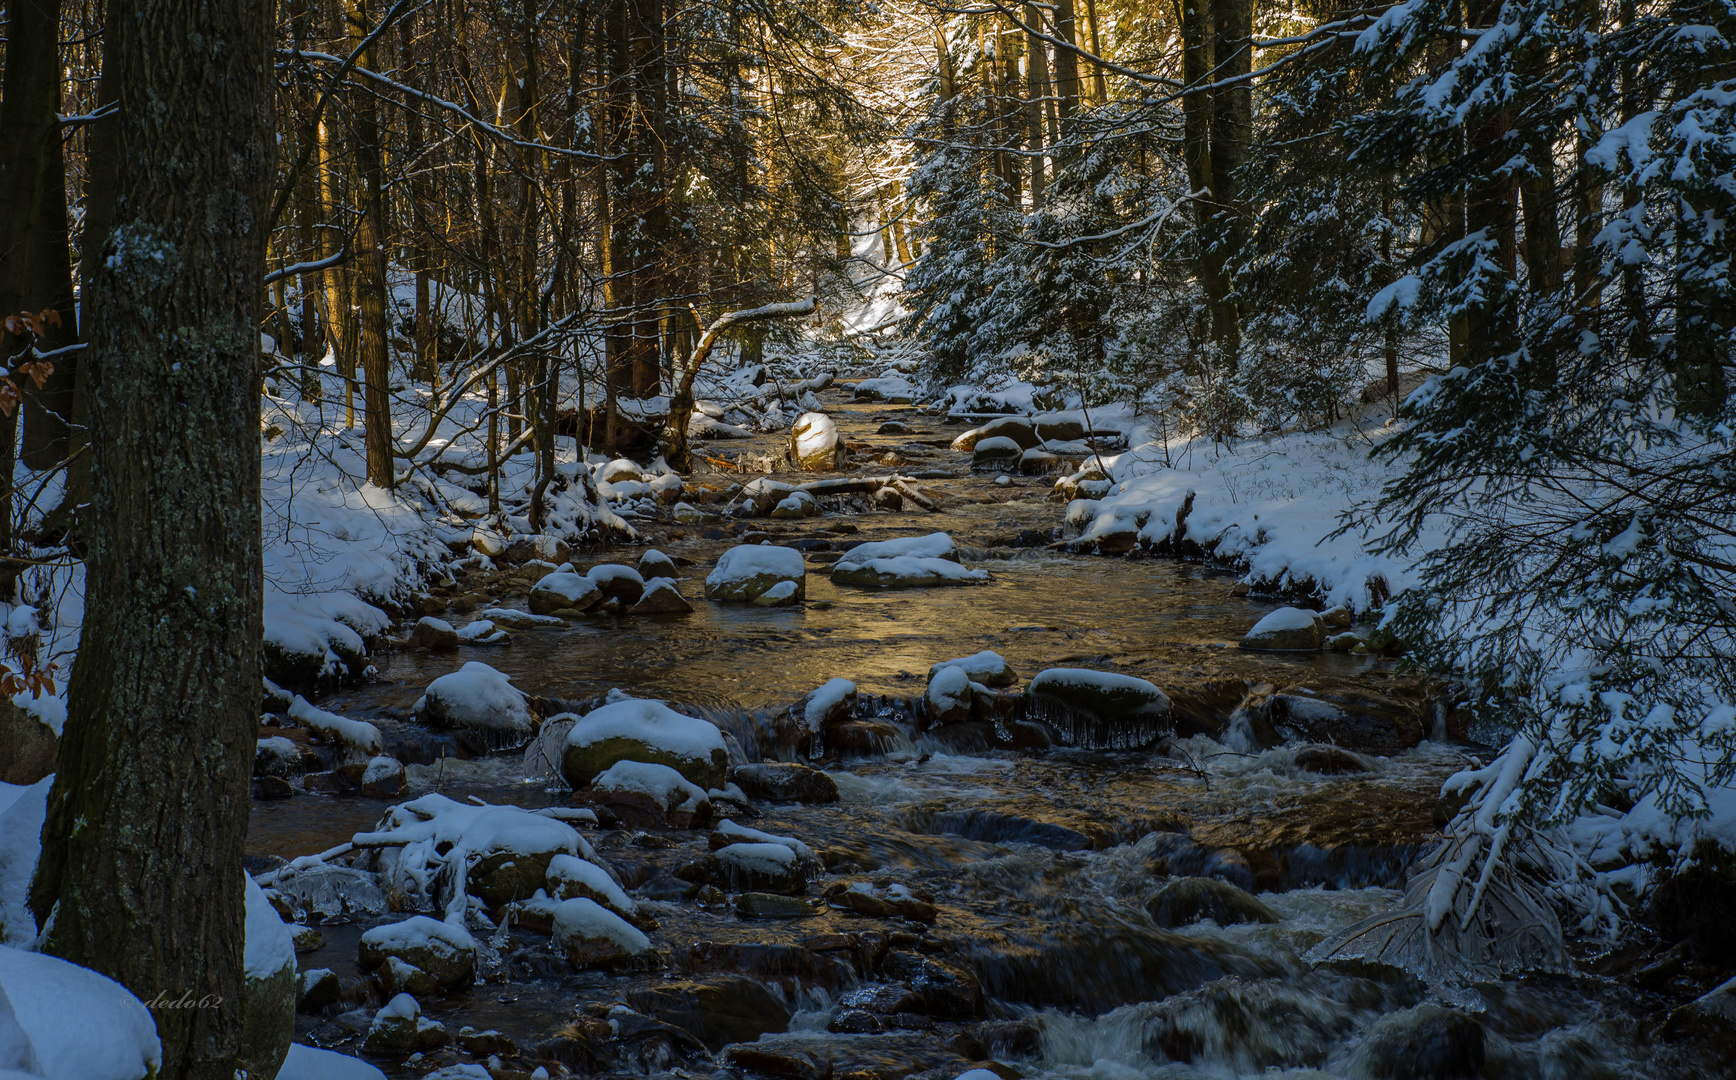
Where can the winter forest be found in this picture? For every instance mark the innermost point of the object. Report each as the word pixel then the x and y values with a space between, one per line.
pixel 844 540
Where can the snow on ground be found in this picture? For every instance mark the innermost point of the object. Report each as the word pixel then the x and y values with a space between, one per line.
pixel 1270 507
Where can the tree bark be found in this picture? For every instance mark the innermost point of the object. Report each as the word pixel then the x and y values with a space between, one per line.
pixel 140 876
pixel 35 270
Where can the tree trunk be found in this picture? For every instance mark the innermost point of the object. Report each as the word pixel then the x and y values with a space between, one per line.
pixel 370 256
pixel 35 270
pixel 1232 131
pixel 1037 84
pixel 141 863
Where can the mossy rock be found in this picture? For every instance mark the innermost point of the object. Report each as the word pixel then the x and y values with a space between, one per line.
pixel 579 764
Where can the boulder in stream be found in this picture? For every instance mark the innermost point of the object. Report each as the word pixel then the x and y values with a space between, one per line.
pixel 651 794
pixel 655 564
pixel 816 444
pixel 719 1010
pixel 1288 629
pixel 662 597
pixel 477 697
pixel 433 635
pixel 745 573
pixel 1194 899
pixel 564 592
pixel 996 455
pixel 400 1029
pixel 644 731
pixel 1102 695
pixel 775 781
pixel 1429 1042
pixel 988 668
pixel 445 951
pixel 617 582
pixel 590 935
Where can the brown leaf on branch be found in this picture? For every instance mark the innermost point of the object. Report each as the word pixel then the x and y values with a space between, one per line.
pixel 8 397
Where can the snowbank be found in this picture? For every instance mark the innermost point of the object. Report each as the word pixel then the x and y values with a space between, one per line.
pixel 80 1025
pixel 1268 507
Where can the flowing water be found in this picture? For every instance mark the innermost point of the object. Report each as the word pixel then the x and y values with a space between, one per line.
pixel 1040 863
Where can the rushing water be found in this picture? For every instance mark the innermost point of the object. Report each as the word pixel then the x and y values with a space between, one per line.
pixel 1040 864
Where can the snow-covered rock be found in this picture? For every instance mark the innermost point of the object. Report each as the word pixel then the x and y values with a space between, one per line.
pixel 937 545
pixel 506 850
pixel 434 635
pixel 477 696
pixel 948 696
pixel 645 731
pixel 355 734
pixel 593 936
pixel 893 389
pixel 658 789
pixel 797 504
pixel 400 1028
pixel 986 667
pixel 570 876
pixel 830 703
pixel 71 1023
pixel 513 619
pixel 998 453
pixel 444 951
pixel 905 563
pixel 384 778
pixel 564 592
pixel 783 594
pixel 816 445
pixel 655 564
pixel 268 987
pixel 662 597
pixel 1289 629
pixel 1105 695
pixel 617 582
pixel 744 573
pixel 905 572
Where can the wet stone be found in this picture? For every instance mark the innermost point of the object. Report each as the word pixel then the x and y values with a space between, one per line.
pixel 717 1011
pixel 784 782
pixel 760 905
pixel 1194 899
pixel 1429 1042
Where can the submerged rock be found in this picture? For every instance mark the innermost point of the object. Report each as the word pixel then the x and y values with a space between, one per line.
pixel 784 782
pixel 1429 1042
pixel 764 905
pixel 1194 899
pixel 717 1011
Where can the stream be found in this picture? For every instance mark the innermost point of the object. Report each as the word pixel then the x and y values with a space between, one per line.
pixel 1042 959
